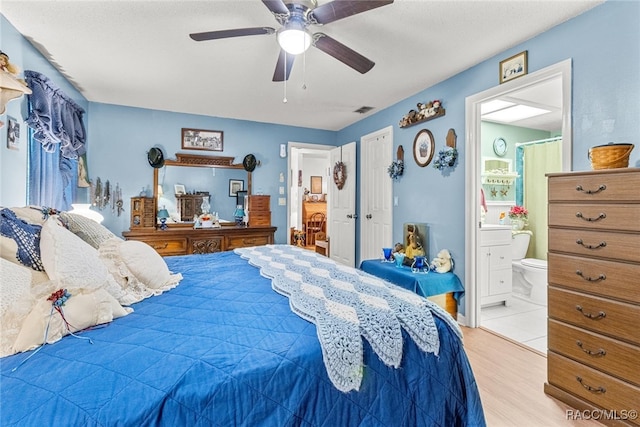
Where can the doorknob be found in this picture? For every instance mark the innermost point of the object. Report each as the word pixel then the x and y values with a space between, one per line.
pixel 369 216
pixel 354 216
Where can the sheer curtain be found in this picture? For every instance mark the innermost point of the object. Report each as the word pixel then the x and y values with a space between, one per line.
pixel 56 140
pixel 538 160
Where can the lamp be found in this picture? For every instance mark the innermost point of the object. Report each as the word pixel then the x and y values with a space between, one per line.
pixel 239 215
pixel 294 37
pixel 163 214
pixel 84 209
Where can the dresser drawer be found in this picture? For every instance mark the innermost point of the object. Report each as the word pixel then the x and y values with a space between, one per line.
pixel 622 217
pixel 607 278
pixel 615 319
pixel 259 203
pixel 206 245
pixel 606 354
pixel 599 244
pixel 249 240
pixel 595 187
pixel 170 246
pixel 597 387
pixel 259 218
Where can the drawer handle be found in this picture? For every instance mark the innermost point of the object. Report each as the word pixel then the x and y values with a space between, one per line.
pixel 590 388
pixel 598 218
pixel 600 315
pixel 591 279
pixel 600 352
pixel 161 246
pixel 599 245
pixel 601 188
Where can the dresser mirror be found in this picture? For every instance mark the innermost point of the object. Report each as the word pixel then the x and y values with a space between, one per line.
pixel 181 185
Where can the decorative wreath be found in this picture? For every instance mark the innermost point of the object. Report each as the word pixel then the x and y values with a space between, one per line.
pixel 446 158
pixel 396 169
pixel 339 174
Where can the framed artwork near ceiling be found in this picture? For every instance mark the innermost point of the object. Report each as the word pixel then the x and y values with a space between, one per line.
pixel 316 185
pixel 514 67
pixel 235 185
pixel 423 147
pixel 13 133
pixel 201 139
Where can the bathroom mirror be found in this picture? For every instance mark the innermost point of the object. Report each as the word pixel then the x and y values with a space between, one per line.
pixel 198 174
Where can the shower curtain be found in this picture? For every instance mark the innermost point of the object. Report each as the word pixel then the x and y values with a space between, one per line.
pixel 533 162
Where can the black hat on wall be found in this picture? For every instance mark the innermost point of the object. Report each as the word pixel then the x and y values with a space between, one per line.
pixel 155 157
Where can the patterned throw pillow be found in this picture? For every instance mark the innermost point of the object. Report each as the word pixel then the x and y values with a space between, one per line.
pixel 87 229
pixel 20 241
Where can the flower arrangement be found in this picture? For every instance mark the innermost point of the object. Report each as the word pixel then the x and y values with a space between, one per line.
pixel 396 169
pixel 518 212
pixel 446 158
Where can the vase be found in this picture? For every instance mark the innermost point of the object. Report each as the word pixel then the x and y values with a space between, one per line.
pixel 517 224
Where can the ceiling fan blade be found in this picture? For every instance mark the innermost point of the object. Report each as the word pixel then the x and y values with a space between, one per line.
pixel 238 32
pixel 279 73
pixel 342 53
pixel 276 6
pixel 339 9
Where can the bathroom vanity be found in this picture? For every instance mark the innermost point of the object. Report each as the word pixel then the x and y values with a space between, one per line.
pixel 494 265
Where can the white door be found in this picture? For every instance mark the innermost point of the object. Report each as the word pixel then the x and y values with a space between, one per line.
pixel 342 208
pixel 376 196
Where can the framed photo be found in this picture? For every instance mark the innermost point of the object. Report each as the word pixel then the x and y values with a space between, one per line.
pixel 201 139
pixel 179 189
pixel 13 133
pixel 235 185
pixel 316 185
pixel 514 67
pixel 423 147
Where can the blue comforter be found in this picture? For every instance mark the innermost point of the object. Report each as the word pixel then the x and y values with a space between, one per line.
pixel 224 349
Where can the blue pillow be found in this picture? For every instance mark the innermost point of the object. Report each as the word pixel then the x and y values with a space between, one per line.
pixel 26 236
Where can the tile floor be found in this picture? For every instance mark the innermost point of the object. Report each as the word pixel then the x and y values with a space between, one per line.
pixel 521 321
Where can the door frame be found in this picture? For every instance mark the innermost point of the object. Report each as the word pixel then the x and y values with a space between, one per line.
pixel 473 168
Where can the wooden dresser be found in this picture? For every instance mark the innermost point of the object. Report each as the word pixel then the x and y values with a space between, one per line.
pixel 179 239
pixel 258 210
pixel 594 292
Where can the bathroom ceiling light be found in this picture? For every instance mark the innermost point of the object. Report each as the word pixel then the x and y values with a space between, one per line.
pixel 515 113
pixel 495 105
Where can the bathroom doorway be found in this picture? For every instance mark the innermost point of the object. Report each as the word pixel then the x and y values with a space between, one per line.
pixel 536 90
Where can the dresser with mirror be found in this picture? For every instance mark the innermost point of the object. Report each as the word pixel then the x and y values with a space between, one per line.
pixel 179 188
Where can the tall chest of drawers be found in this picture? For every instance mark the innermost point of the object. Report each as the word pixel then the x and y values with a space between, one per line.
pixel 594 292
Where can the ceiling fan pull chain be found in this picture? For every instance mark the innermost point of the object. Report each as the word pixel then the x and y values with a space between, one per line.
pixel 284 100
pixel 304 70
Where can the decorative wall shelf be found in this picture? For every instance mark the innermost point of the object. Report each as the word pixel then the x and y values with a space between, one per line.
pixel 499 178
pixel 406 122
pixel 10 88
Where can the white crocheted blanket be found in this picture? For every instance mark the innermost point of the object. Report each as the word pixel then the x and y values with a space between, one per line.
pixel 345 303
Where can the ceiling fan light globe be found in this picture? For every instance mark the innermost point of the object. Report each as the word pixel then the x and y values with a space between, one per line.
pixel 294 40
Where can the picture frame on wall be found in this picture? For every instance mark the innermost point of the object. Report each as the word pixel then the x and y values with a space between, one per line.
pixel 13 134
pixel 316 185
pixel 179 190
pixel 235 185
pixel 202 139
pixel 513 67
pixel 423 147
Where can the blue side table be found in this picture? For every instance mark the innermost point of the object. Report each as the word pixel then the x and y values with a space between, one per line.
pixel 425 284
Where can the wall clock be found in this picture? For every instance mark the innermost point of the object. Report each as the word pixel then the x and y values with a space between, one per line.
pixel 500 147
pixel 423 147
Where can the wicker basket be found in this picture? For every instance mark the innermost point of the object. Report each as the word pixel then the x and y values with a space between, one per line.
pixel 610 156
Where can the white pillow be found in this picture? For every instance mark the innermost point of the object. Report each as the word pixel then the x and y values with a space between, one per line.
pixel 15 302
pixel 74 263
pixel 137 267
pixel 87 229
pixel 83 309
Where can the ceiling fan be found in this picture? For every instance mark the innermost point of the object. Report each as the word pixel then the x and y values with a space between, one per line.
pixel 296 16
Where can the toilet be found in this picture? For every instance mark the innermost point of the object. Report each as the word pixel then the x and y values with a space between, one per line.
pixel 529 274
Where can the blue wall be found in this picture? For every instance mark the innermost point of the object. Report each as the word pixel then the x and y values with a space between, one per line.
pixel 603 44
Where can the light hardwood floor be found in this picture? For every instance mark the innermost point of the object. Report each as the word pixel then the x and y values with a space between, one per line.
pixel 510 378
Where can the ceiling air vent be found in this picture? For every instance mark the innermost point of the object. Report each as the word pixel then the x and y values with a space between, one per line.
pixel 363 109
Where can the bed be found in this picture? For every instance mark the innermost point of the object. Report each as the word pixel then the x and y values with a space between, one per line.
pixel 224 349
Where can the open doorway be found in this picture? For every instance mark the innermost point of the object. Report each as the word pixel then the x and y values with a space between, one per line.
pixel 555 81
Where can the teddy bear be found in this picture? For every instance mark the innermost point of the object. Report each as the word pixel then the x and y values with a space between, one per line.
pixel 443 262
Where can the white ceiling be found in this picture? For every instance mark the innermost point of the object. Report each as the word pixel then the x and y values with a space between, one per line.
pixel 138 53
